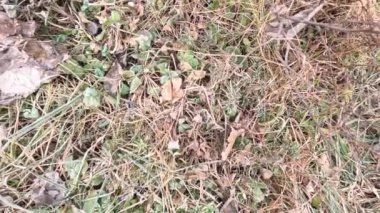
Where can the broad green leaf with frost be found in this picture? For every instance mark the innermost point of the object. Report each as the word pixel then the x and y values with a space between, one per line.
pixel 31 113
pixel 189 58
pixel 135 83
pixel 91 98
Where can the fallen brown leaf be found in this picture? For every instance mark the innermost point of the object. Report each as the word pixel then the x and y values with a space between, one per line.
pixel 171 90
pixel 28 28
pixel 7 26
pixel 231 141
pixel 196 75
pixel 25 64
pixel 20 75
pixel 113 78
pixel 184 66
pixel 10 27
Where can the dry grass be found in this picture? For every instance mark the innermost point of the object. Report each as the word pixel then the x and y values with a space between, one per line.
pixel 310 109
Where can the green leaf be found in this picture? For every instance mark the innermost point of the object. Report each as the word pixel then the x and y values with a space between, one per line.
pixel 189 57
pixel 71 66
pixel 91 98
pixel 236 57
pixel 105 51
pixel 163 67
pixel 213 5
pixel 245 19
pixel 75 168
pixel 91 203
pixel 183 126
pixel 124 89
pixel 144 40
pixel 10 9
pixel 97 180
pixel 100 36
pixel 154 91
pixel 137 68
pixel 31 113
pixel 99 72
pixel 135 83
pixel 115 17
pixel 231 111
pixel 164 79
pixel 85 5
pixel 257 189
pixel 176 184
pixel 61 38
pixel 316 201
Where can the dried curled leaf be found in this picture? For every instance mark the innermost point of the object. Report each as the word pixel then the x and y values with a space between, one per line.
pixel 10 27
pixel 171 90
pixel 49 190
pixel 231 141
pixel 20 75
pixel 113 78
pixel 25 64
pixel 197 75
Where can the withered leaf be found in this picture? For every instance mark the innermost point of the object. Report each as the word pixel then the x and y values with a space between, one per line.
pixel 171 90
pixel 10 27
pixel 25 64
pixel 49 190
pixel 20 75
pixel 113 78
pixel 28 28
pixel 197 75
pixel 231 141
pixel 7 26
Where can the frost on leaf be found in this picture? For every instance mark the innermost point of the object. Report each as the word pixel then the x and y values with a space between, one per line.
pixel 25 63
pixel 48 190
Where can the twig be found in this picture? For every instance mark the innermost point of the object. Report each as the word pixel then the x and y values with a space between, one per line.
pixel 332 27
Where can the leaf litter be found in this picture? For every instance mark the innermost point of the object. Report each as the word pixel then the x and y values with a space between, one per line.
pixel 48 190
pixel 113 78
pixel 25 63
pixel 171 90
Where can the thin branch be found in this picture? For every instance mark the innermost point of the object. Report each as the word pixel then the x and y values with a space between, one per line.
pixel 333 27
